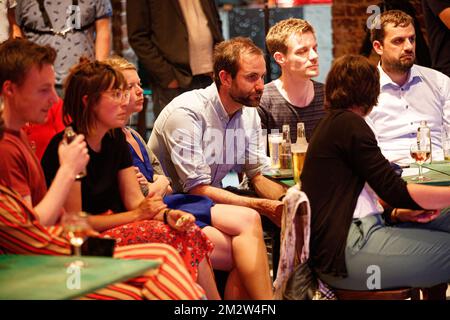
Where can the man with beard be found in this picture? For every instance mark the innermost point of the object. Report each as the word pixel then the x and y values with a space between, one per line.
pixel 204 134
pixel 409 92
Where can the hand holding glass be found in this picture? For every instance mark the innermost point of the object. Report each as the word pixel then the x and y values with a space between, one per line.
pixel 420 152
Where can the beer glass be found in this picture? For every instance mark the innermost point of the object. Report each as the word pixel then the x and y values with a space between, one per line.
pixel 275 141
pixel 446 141
pixel 298 159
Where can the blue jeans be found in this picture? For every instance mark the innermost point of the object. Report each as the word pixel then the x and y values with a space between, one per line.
pixel 405 255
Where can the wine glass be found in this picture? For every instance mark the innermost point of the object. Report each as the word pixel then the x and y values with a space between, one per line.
pixel 420 152
pixel 77 226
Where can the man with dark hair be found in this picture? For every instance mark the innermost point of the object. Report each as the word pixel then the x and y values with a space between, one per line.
pixel 409 93
pixel 422 52
pixel 204 134
pixel 27 81
pixel 437 21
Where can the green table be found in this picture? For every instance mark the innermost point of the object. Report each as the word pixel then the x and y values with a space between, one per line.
pixel 440 166
pixel 284 177
pixel 27 277
pixel 439 174
pixel 287 182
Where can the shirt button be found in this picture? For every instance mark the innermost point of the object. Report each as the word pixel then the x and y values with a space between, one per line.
pixel 412 123
pixel 406 106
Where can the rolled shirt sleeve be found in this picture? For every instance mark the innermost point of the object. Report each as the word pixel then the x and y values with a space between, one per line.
pixel 256 155
pixel 183 138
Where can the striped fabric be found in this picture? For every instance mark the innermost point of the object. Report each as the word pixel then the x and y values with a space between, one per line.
pixel 275 111
pixel 21 233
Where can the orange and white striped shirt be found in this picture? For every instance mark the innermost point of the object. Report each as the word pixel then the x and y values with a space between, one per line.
pixel 21 233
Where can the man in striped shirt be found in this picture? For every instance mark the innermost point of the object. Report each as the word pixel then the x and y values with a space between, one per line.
pixel 293 97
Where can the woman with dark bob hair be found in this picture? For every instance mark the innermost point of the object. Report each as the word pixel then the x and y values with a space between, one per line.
pixel 357 244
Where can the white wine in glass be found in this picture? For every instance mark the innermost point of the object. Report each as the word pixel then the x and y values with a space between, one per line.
pixel 77 226
pixel 420 152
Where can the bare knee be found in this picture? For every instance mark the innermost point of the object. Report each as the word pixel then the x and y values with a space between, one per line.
pixel 250 219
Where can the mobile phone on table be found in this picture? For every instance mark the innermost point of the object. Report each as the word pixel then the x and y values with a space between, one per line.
pixel 99 247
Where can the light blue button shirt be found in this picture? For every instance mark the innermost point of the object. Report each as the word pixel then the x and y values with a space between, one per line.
pixel 424 96
pixel 198 143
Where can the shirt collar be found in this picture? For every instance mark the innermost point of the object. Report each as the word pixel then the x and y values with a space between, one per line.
pixel 413 77
pixel 213 95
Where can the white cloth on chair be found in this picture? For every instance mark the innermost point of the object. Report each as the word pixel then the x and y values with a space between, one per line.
pixel 294 243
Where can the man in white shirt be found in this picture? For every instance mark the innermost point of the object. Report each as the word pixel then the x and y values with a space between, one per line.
pixel 409 93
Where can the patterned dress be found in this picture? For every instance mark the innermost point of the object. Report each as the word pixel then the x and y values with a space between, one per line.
pixel 192 245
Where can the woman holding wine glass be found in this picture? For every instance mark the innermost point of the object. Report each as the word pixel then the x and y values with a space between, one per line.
pixel 346 177
pixel 95 100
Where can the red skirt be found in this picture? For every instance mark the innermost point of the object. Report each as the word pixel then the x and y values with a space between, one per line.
pixel 193 245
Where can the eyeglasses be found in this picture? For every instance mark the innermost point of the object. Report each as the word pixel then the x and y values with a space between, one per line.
pixel 119 95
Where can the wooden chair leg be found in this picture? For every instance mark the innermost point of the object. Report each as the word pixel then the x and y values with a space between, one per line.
pixel 415 294
pixel 435 293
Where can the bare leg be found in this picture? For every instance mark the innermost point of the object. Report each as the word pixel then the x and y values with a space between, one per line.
pixel 222 255
pixel 206 280
pixel 222 259
pixel 235 290
pixel 248 248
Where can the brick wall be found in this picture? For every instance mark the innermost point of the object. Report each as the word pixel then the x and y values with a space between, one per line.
pixel 348 24
pixel 349 21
